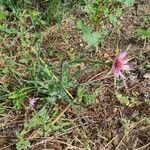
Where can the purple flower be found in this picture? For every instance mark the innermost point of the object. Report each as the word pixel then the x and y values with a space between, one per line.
pixel 32 102
pixel 120 64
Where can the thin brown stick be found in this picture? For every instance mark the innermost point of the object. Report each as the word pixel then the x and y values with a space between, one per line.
pixel 109 142
pixel 95 76
pixel 60 115
pixel 142 147
pixel 128 133
pixel 4 148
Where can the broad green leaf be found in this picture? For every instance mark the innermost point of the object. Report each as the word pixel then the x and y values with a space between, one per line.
pixel 85 29
pixel 92 39
pixel 129 3
pixel 113 19
pixel 106 12
pixel 118 12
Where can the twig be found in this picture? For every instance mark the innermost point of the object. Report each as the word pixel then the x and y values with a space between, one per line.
pixel 128 47
pixel 105 77
pixel 120 142
pixel 4 148
pixel 69 145
pixel 60 115
pixel 109 142
pixel 140 148
pixel 128 133
pixel 95 76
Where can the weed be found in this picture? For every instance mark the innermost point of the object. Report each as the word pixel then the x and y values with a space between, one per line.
pixel 46 83
pixel 91 38
pixel 22 143
pixel 2 108
pixel 100 14
pixel 42 124
pixel 128 3
pixel 17 97
pixel 57 9
pixel 3 14
pixel 36 18
pixel 129 101
pixel 143 33
pixel 126 124
pixel 85 97
pixel 113 16
pixel 39 118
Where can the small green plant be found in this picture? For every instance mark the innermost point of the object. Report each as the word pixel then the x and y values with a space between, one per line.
pixel 2 108
pixel 36 18
pixel 17 97
pixel 126 124
pixel 3 14
pixel 91 38
pixel 7 30
pixel 100 14
pixel 54 11
pixel 86 97
pixel 45 82
pixel 43 124
pixel 129 101
pixel 128 3
pixel 113 16
pixel 13 6
pixel 40 118
pixel 22 143
pixel 143 33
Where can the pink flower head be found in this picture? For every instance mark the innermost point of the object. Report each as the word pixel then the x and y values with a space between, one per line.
pixel 32 102
pixel 120 64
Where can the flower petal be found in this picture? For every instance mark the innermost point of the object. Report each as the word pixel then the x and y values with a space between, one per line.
pixel 125 61
pixel 116 73
pixel 125 67
pixel 122 55
pixel 32 102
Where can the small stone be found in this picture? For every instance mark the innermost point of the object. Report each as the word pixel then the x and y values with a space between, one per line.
pixel 147 76
pixel 81 44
